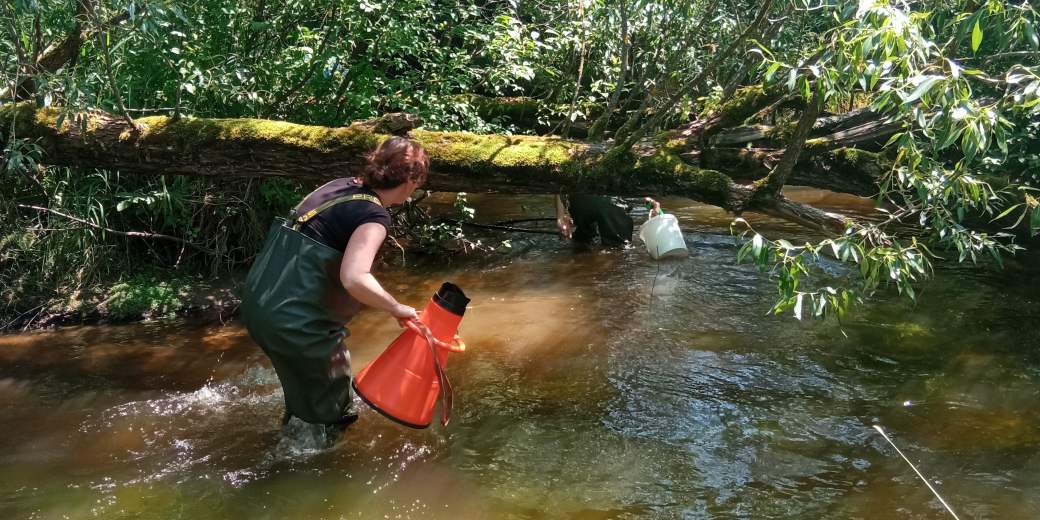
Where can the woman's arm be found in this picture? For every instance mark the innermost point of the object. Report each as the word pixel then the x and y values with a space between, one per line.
pixel 355 272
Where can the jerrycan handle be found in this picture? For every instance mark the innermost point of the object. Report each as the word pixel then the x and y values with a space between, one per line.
pixel 456 345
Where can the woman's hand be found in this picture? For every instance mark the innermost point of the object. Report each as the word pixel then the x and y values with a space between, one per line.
pixel 564 223
pixel 655 206
pixel 403 312
pixel 565 226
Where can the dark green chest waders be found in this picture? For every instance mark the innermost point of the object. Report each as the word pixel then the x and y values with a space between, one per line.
pixel 598 215
pixel 296 309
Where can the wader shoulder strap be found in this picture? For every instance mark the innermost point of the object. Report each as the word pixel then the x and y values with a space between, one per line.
pixel 302 219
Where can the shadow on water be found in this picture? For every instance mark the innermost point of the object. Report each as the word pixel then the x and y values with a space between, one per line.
pixel 598 384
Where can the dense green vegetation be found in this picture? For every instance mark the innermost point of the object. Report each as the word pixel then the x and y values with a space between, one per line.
pixel 951 84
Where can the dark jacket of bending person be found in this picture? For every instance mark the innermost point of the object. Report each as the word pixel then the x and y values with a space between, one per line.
pixel 313 274
pixel 584 217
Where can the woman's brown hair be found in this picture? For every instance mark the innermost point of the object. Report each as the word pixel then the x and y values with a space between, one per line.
pixel 395 161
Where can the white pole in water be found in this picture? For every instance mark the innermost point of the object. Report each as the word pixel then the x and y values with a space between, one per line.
pixel 936 493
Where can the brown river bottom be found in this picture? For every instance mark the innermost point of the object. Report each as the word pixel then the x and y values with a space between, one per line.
pixel 598 384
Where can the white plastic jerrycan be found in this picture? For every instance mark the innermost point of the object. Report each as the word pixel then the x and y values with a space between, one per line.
pixel 662 237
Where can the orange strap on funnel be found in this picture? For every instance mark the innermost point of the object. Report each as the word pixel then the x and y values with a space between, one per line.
pixel 446 393
pixel 420 328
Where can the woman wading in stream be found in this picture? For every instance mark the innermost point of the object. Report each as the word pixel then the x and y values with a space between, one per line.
pixel 313 273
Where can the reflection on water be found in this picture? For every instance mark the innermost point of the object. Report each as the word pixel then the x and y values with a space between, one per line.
pixel 598 384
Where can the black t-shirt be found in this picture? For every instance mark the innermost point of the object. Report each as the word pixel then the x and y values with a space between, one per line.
pixel 334 226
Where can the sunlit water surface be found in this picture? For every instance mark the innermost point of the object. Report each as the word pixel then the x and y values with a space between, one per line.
pixel 598 384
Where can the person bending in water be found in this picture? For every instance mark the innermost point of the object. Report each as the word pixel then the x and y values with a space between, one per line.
pixel 583 217
pixel 313 274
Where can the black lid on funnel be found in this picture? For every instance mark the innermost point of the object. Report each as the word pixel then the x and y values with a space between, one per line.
pixel 451 298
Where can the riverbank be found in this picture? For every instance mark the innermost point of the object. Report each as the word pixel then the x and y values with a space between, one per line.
pixel 148 296
pixel 162 294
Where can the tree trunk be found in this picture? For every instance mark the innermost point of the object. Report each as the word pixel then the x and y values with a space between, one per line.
pixel 777 179
pixel 260 148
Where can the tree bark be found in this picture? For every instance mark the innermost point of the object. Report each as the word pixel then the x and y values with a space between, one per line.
pixel 777 179
pixel 871 135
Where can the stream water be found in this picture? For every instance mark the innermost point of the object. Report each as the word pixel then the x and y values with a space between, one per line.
pixel 598 384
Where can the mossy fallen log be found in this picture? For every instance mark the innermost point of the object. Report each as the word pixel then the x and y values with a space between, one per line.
pixel 461 161
pixel 256 148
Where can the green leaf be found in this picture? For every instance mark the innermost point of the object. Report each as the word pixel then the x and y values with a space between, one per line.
pixel 922 88
pixel 1031 35
pixel 949 137
pixel 895 137
pixel 744 250
pixel 976 37
pixel 772 70
pixel 1007 212
pixel 761 254
pixel 996 256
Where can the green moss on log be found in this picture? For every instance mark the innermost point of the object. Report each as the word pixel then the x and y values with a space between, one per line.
pixel 670 169
pixel 672 141
pixel 190 132
pixel 29 121
pixel 490 153
pixel 745 103
pixel 860 160
pixel 816 144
